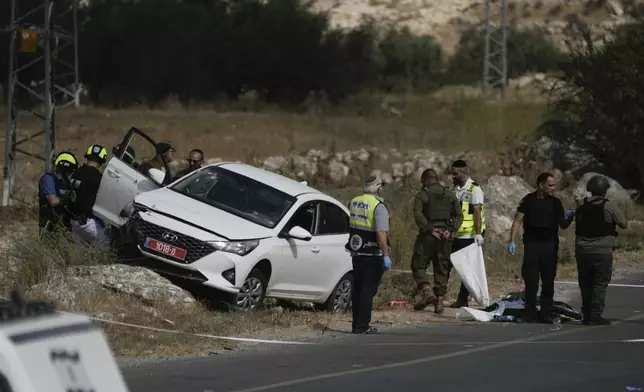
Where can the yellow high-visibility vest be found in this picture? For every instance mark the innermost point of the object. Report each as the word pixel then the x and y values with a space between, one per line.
pixel 362 231
pixel 362 210
pixel 467 228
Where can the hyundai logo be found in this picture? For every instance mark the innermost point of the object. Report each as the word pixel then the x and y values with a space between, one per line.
pixel 169 236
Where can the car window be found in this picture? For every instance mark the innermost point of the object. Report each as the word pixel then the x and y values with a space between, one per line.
pixel 304 217
pixel 237 194
pixel 144 154
pixel 332 220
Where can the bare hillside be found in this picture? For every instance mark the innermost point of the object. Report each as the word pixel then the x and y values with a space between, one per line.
pixel 446 20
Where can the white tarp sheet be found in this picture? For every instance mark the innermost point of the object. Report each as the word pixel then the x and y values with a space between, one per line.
pixel 480 315
pixel 470 265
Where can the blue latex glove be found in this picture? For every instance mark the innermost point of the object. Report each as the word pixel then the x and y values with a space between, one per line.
pixel 570 213
pixel 387 263
pixel 512 249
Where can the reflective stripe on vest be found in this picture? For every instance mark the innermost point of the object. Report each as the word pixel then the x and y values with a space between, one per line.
pixel 362 231
pixel 467 228
pixel 362 210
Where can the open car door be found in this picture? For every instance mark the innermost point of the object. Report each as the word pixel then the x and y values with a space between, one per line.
pixel 124 178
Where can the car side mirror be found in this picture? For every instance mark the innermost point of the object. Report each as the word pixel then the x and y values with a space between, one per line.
pixel 157 175
pixel 299 233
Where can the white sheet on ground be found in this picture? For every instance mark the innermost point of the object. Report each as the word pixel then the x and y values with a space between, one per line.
pixel 480 315
pixel 470 265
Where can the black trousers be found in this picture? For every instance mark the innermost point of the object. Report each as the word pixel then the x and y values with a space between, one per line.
pixel 539 261
pixel 367 273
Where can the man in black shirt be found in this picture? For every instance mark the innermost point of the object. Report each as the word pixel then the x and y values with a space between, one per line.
pixel 86 228
pixel 195 161
pixel 542 214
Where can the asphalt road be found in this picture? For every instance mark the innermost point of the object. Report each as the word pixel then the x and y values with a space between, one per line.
pixel 458 357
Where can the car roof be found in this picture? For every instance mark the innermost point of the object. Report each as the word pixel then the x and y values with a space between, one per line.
pixel 277 181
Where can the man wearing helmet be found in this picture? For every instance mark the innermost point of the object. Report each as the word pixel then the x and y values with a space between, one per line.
pixel 54 193
pixel 86 228
pixel 595 234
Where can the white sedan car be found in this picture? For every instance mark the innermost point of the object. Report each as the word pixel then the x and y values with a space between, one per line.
pixel 233 227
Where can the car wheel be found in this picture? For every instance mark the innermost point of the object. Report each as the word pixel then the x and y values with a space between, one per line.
pixel 340 298
pixel 251 295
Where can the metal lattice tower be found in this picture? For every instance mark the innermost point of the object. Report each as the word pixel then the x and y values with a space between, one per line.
pixel 495 62
pixel 42 76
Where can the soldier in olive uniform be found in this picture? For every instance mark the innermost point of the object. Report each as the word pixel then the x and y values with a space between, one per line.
pixel 597 219
pixel 438 215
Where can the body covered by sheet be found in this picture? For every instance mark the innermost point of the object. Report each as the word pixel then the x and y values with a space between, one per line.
pixel 470 265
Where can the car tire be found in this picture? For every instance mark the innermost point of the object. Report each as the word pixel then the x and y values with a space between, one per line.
pixel 340 299
pixel 253 291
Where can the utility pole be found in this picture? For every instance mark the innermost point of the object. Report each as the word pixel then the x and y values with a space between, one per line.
pixel 36 87
pixel 495 61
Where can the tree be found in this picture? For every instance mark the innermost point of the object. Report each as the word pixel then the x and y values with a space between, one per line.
pixel 600 105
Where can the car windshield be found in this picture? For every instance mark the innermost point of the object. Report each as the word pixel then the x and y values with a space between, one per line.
pixel 236 194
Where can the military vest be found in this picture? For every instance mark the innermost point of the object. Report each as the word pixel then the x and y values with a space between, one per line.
pixel 591 221
pixel 438 208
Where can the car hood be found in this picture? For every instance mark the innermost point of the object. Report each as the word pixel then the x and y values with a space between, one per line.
pixel 194 212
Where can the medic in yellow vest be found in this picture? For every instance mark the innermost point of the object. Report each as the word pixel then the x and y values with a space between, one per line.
pixel 471 198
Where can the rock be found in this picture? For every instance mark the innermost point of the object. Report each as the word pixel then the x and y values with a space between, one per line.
pixel 362 155
pixel 397 170
pixel 387 178
pixel 275 163
pixel 338 172
pixel 210 161
pixel 408 169
pixel 616 192
pixel 139 282
pixel 615 8
pixel 502 196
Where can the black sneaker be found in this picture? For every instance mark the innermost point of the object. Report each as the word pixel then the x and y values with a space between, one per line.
pixel 596 321
pixel 546 319
pixel 529 317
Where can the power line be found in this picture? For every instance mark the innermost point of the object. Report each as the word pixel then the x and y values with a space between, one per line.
pixel 42 76
pixel 495 61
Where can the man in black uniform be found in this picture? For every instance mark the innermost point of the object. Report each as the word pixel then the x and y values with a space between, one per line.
pixel 195 161
pixel 595 235
pixel 369 247
pixel 55 193
pixel 86 228
pixel 542 214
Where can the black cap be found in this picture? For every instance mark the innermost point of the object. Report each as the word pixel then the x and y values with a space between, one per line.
pixel 164 146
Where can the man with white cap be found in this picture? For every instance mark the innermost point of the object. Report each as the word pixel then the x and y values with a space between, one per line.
pixel 369 247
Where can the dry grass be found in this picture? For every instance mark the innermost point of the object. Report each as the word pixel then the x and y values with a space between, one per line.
pixel 425 122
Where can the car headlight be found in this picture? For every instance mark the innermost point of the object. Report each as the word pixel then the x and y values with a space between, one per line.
pixel 241 248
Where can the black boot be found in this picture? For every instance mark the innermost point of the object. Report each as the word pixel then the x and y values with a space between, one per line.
pixel 596 320
pixel 530 315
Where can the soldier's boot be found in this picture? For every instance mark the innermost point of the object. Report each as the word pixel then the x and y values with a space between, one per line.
pixel 594 316
pixel 439 308
pixel 425 297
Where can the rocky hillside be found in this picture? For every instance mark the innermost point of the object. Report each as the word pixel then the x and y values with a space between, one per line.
pixel 446 20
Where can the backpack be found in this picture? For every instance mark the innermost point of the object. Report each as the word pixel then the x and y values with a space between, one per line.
pixel 439 206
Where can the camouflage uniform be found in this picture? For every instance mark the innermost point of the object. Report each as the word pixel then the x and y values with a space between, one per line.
pixel 435 207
